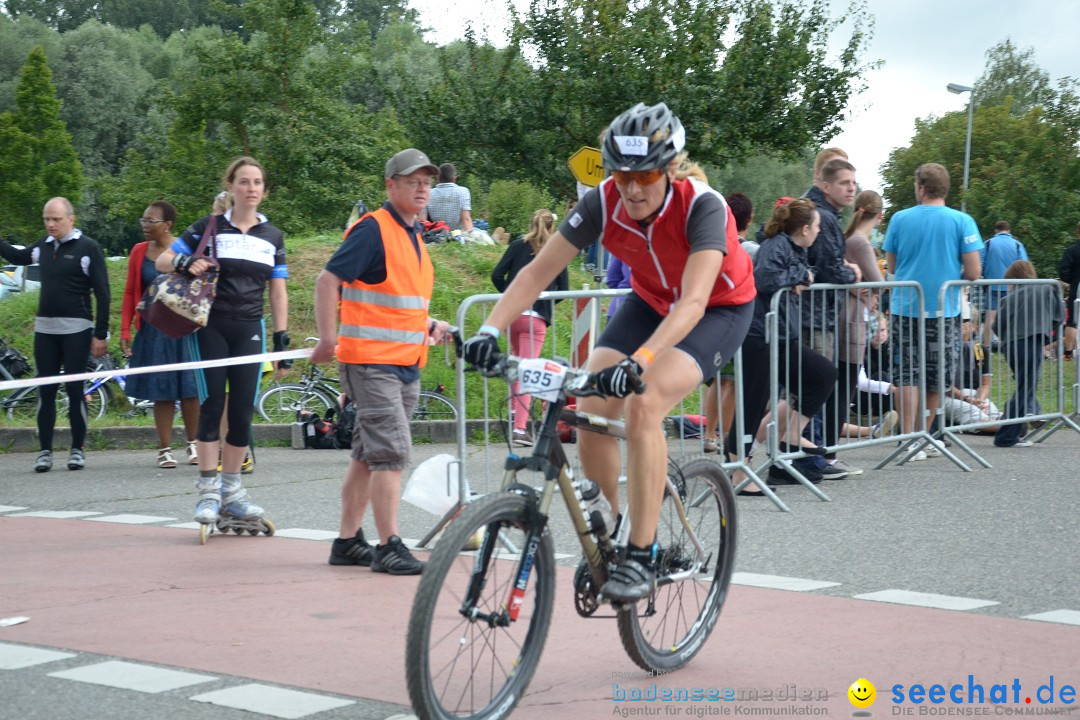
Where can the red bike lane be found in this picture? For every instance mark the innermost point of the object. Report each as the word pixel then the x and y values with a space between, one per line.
pixel 271 609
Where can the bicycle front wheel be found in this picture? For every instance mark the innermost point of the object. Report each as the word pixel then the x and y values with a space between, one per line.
pixel 434 406
pixel 465 658
pixel 281 403
pixel 21 405
pixel 667 631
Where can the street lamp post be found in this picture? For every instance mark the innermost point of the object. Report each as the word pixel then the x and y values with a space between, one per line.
pixel 957 89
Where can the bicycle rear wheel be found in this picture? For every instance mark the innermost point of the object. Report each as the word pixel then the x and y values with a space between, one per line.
pixel 280 403
pixel 434 406
pixel 21 405
pixel 666 631
pixel 462 663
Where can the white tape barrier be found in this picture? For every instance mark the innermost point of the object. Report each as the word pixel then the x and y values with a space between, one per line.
pixel 195 365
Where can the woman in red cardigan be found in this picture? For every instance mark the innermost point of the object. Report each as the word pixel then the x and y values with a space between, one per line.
pixel 152 347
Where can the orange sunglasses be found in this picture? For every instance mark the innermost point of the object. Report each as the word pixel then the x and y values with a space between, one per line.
pixel 641 177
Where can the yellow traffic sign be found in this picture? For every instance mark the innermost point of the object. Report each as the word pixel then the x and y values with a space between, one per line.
pixel 587 166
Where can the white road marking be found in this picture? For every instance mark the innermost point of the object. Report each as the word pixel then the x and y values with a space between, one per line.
pixel 132 676
pixel 56 514
pixel 921 599
pixel 127 519
pixel 273 701
pixel 13 657
pixel 1065 617
pixel 779 582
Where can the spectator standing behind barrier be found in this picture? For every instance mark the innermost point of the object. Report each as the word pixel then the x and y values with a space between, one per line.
pixel 931 244
pixel 251 255
pixel 997 255
pixel 807 375
pixel 529 329
pixel 65 330
pixel 859 304
pixel 153 347
pixel 692 299
pixel 1070 275
pixel 384 278
pixel 720 400
pixel 1026 321
pixel 449 202
pixel 616 278
pixel 833 191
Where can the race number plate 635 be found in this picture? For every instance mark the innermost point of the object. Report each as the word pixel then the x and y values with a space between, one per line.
pixel 540 377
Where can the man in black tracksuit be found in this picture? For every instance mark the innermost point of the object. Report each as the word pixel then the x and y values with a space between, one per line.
pixel 65 330
pixel 832 192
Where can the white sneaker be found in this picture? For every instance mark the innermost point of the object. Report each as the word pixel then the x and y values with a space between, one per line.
pixel 886 426
pixel 918 457
pixel 931 451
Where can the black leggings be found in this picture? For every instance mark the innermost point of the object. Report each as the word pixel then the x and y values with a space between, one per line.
pixel 51 352
pixel 816 373
pixel 224 338
pixel 838 407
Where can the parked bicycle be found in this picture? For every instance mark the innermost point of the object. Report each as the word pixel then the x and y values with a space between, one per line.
pixel 21 404
pixel 480 619
pixel 318 393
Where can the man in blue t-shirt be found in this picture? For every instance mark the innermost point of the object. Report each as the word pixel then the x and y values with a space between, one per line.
pixel 931 244
pixel 1000 252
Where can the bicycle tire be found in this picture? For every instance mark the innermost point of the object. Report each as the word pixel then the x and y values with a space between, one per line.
pixel 431 405
pixel 684 613
pixel 280 403
pixel 97 402
pixel 439 634
pixel 21 405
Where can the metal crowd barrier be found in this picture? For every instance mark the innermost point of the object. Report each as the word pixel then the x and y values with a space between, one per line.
pixel 1017 363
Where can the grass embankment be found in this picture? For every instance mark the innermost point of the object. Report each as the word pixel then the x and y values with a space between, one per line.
pixel 460 271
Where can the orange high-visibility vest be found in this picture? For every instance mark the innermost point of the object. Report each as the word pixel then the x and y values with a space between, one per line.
pixel 386 323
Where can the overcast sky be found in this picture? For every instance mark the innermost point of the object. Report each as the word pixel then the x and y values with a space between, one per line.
pixel 924 45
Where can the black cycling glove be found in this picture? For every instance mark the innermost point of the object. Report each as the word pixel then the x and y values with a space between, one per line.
pixel 182 263
pixel 621 379
pixel 482 350
pixel 281 343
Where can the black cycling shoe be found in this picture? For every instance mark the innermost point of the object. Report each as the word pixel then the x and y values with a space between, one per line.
pixel 629 582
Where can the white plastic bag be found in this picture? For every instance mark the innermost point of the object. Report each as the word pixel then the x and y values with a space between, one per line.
pixel 429 487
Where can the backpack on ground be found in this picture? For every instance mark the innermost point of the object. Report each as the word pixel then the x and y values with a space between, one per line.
pixel 319 433
pixel 343 428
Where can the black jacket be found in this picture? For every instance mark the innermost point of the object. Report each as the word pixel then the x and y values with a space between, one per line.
pixel 518 254
pixel 779 264
pixel 1069 272
pixel 65 285
pixel 827 260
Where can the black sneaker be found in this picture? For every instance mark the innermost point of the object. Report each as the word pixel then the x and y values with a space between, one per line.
pixel 780 476
pixel 351 551
pixel 629 582
pixel 77 459
pixel 395 558
pixel 44 461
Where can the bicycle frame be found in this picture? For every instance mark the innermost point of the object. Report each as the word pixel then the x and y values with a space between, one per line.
pixel 549 457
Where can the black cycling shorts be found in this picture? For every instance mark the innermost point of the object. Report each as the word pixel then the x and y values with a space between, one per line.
pixel 712 343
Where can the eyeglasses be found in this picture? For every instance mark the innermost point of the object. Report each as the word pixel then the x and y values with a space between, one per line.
pixel 641 177
pixel 149 221
pixel 414 183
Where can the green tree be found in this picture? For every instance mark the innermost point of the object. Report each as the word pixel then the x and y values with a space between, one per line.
pixel 42 154
pixel 276 94
pixel 1012 73
pixel 1024 169
pixel 764 180
pixel 772 91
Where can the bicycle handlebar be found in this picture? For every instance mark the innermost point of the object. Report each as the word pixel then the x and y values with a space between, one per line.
pixel 577 382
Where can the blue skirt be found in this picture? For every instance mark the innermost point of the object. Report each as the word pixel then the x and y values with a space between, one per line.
pixel 153 347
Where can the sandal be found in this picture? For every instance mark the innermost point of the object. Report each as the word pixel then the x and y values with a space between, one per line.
pixel 165 458
pixel 192 453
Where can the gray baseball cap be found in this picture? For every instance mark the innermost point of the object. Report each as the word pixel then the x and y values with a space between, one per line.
pixel 409 161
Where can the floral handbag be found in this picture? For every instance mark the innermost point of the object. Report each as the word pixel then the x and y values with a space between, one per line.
pixel 178 304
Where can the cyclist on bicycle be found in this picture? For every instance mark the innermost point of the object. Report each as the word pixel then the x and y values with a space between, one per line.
pixel 681 323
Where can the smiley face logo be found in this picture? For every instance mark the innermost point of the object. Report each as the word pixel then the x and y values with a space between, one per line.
pixel 862 693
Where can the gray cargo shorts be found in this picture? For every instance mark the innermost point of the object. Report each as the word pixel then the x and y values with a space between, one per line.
pixel 381 434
